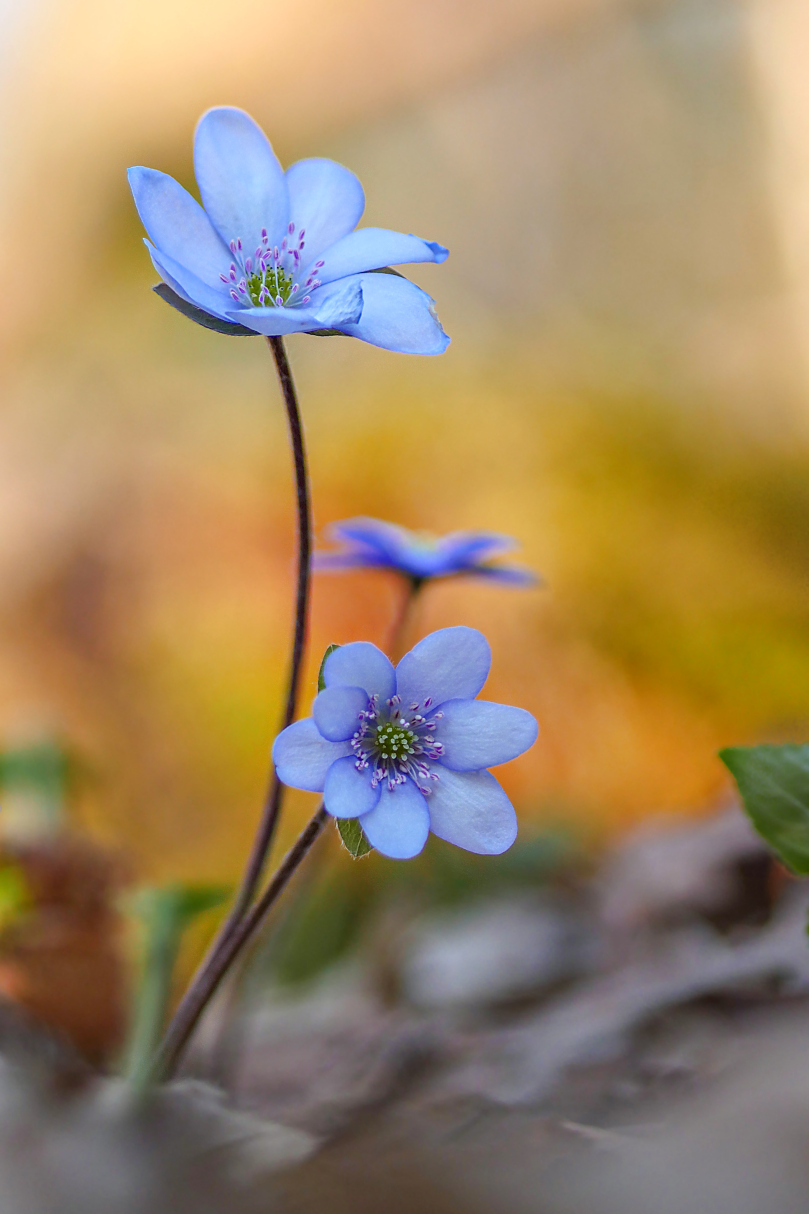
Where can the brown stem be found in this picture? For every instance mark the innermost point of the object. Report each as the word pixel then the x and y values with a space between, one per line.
pixel 257 860
pixel 214 969
pixel 401 621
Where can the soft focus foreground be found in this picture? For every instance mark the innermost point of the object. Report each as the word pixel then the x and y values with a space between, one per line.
pixel 623 188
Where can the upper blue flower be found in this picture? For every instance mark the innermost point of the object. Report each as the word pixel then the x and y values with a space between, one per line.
pixel 370 543
pixel 405 750
pixel 277 252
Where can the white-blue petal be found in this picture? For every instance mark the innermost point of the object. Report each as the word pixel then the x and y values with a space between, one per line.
pixel 242 185
pixel 187 285
pixel 477 733
pixel 370 248
pixel 400 824
pixel 451 664
pixel 332 305
pixel 348 792
pixel 302 757
pixel 336 711
pixel 471 810
pixel 398 315
pixel 177 225
pixel 361 664
pixel 326 200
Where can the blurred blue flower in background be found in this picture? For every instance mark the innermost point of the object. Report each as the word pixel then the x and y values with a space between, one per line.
pixel 370 543
pixel 277 252
pixel 405 750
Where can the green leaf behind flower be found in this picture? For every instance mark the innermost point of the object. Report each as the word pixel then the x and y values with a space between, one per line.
pixel 353 837
pixel 774 784
pixel 321 682
pixel 198 316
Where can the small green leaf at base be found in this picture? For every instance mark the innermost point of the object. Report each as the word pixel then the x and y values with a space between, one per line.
pixel 353 837
pixel 774 784
pixel 321 682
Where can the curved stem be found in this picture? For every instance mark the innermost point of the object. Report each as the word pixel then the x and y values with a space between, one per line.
pixel 199 992
pixel 212 973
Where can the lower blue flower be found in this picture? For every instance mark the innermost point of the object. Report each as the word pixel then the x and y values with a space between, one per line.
pixel 405 749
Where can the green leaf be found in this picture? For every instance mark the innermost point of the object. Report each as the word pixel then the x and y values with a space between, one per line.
pixel 198 316
pixel 321 683
pixel 353 837
pixel 165 913
pixel 774 784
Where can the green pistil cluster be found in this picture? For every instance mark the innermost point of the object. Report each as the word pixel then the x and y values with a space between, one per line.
pixel 394 742
pixel 265 288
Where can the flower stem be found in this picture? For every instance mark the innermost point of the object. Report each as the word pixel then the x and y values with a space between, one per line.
pixel 218 963
pixel 403 617
pixel 200 991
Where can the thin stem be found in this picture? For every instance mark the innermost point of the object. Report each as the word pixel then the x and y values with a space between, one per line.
pixel 218 963
pixel 254 870
pixel 401 622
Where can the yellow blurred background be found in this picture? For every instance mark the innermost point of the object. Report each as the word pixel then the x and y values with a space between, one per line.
pixel 624 188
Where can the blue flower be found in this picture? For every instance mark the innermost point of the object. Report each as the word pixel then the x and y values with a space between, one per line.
pixel 371 543
pixel 405 750
pixel 277 252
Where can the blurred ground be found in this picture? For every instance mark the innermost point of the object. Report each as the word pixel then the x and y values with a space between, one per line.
pixel 564 1038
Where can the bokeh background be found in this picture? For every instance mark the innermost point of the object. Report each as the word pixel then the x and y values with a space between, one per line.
pixel 624 187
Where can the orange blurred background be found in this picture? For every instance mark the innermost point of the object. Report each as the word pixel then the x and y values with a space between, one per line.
pixel 623 187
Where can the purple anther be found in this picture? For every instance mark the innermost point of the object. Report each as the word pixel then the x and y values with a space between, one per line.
pixel 301 243
pixel 317 283
pixel 309 281
pixel 224 278
pixel 275 253
pixel 294 289
pixel 319 265
pixel 233 295
pixel 232 273
pixel 296 255
pixel 428 701
pixel 306 299
pixel 248 265
pixel 258 252
pixel 233 246
pixel 284 243
pixel 279 303
pixel 291 228
pixel 262 295
pixel 239 245
pixel 264 235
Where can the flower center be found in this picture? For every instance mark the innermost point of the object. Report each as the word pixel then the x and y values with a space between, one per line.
pixel 396 743
pixel 273 276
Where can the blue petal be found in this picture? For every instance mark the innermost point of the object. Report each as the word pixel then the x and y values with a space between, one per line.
pixel 398 315
pixel 177 224
pixel 376 542
pixel 348 792
pixel 242 185
pixel 465 547
pixel 400 824
pixel 451 664
pixel 326 200
pixel 509 575
pixel 332 305
pixel 371 248
pixel 361 664
pixel 471 810
pixel 302 757
pixel 477 733
pixel 187 285
pixel 336 711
